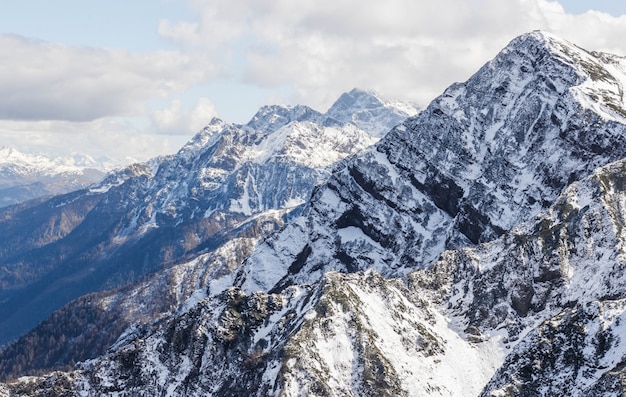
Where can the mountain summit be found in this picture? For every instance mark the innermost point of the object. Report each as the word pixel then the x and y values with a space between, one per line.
pixel 481 158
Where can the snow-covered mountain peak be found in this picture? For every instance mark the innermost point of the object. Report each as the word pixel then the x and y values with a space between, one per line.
pixel 299 133
pixel 599 78
pixel 120 175
pixel 370 111
pixel 6 152
pixel 247 169
pixel 39 163
pixel 539 40
pixel 355 99
pixel 27 176
pixel 484 156
pixel 203 138
pixel 570 53
pixel 270 118
pixel 309 144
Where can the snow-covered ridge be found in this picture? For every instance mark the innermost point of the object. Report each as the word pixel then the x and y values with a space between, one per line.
pixel 306 136
pixel 553 287
pixel 365 109
pixel 245 159
pixel 602 77
pixel 310 144
pixel 120 175
pixel 28 176
pixel 30 164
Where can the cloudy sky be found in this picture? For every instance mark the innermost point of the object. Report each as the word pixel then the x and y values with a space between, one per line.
pixel 134 79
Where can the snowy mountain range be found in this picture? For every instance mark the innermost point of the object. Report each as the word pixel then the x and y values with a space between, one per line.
pixel 179 220
pixel 478 249
pixel 26 176
pixel 481 158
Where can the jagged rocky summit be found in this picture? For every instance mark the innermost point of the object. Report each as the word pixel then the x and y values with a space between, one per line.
pixel 477 249
pixel 174 224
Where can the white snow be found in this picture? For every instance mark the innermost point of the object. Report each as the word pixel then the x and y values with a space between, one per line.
pixel 242 204
pixel 402 332
pixel 354 234
pixel 263 270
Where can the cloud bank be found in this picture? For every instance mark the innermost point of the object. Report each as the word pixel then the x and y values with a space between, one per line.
pixel 405 49
pixel 50 81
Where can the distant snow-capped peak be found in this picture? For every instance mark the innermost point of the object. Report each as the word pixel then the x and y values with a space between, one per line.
pixel 305 136
pixel 28 164
pixel 370 111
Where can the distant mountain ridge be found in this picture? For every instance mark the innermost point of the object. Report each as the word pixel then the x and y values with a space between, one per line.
pixel 26 176
pixel 367 110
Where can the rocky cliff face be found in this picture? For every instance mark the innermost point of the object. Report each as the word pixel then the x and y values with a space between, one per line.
pixel 477 249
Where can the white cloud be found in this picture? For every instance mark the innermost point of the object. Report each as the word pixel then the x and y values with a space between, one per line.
pixel 592 30
pixel 313 49
pixel 407 49
pixel 49 81
pixel 176 120
pixel 115 138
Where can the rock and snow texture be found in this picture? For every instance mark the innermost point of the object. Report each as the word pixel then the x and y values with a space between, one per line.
pixel 578 352
pixel 477 249
pixel 272 162
pixel 553 287
pixel 355 334
pixel 527 307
